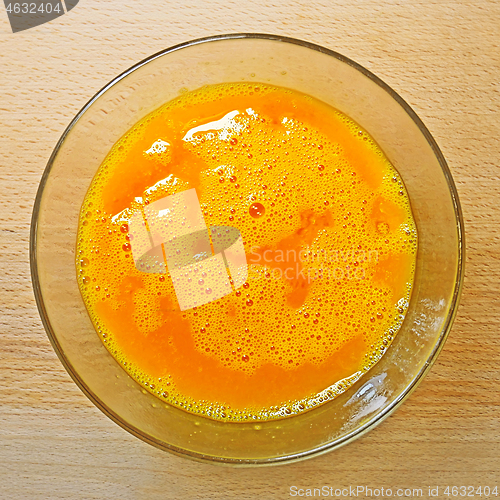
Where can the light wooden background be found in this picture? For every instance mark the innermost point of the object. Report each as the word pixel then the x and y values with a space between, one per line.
pixel 442 56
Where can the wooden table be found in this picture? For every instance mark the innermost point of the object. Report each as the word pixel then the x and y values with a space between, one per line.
pixel 443 57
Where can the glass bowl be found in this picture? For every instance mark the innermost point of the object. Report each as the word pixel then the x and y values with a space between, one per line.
pixel 312 70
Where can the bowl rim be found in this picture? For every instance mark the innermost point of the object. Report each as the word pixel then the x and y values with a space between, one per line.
pixel 377 419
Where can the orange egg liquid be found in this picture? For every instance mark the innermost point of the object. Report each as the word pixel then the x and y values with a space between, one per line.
pixel 329 253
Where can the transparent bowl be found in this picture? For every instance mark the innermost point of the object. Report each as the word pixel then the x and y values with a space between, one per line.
pixel 312 70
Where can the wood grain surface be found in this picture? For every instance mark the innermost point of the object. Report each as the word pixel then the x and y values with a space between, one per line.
pixel 442 56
